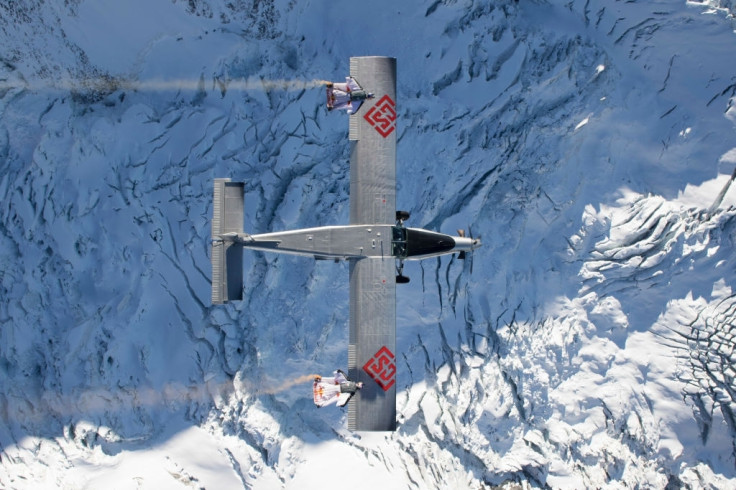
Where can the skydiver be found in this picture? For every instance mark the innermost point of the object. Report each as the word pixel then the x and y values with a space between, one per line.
pixel 349 95
pixel 338 389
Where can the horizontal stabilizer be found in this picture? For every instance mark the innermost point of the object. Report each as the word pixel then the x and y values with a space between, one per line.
pixel 227 256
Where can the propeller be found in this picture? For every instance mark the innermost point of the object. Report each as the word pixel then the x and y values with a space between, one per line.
pixel 461 234
pixel 476 243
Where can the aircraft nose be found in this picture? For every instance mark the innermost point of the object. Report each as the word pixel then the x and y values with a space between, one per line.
pixel 465 244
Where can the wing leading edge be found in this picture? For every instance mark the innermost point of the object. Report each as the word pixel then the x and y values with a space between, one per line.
pixel 372 340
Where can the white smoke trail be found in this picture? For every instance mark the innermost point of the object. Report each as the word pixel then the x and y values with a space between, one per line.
pixel 111 84
pixel 288 384
pixel 95 401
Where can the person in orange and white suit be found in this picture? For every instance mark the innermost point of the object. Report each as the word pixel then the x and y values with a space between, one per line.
pixel 349 95
pixel 337 389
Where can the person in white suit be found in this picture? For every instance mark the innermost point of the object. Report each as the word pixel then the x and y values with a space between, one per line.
pixel 349 95
pixel 337 389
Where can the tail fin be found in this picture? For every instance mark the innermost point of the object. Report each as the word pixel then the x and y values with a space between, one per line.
pixel 227 256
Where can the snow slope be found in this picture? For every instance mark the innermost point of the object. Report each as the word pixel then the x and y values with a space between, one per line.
pixel 589 343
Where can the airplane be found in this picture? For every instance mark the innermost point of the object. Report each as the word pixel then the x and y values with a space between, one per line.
pixel 375 243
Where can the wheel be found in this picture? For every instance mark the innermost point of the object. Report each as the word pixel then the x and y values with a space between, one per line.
pixel 402 215
pixel 402 279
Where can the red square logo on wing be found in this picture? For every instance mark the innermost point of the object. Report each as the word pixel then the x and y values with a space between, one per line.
pixel 382 116
pixel 382 368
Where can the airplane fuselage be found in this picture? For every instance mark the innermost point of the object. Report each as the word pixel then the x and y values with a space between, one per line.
pixel 357 241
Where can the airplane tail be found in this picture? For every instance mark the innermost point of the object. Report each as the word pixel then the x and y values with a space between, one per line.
pixel 227 255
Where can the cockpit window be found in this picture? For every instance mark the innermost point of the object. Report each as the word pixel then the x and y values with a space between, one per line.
pixel 398 242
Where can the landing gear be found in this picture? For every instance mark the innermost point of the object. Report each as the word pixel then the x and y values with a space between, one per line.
pixel 400 277
pixel 401 216
pixel 461 255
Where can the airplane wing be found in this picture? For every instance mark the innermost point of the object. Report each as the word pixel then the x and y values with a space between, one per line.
pixel 372 341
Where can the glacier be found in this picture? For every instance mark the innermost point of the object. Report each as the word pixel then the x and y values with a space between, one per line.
pixel 588 344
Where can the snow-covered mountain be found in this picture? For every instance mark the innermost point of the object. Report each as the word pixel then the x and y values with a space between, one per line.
pixel 588 344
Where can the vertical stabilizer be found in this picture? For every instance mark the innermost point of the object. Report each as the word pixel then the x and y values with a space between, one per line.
pixel 227 255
